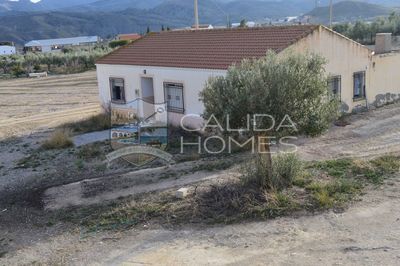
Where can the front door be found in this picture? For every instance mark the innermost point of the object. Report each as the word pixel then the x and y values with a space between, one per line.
pixel 147 97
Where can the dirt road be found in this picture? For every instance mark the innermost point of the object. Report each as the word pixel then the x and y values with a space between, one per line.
pixel 366 234
pixel 370 134
pixel 27 105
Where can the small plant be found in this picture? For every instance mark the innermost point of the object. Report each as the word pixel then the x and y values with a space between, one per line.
pixel 323 199
pixel 90 151
pixel 80 164
pixel 286 167
pixel 115 44
pixel 60 139
pixel 336 168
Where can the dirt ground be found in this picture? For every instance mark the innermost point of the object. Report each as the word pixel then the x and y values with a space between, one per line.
pixel 32 104
pixel 368 233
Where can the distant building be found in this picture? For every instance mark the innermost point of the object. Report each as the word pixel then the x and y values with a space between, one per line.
pixel 128 37
pixel 204 27
pixel 249 24
pixel 7 48
pixel 54 45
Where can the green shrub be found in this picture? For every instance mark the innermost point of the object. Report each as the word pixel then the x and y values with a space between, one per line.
pixel 286 167
pixel 115 44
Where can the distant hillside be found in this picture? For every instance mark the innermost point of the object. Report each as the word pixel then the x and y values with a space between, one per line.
pixel 43 5
pixel 24 26
pixel 115 5
pixel 349 11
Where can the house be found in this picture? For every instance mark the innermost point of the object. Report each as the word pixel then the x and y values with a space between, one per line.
pixel 56 45
pixel 7 48
pixel 174 66
pixel 128 37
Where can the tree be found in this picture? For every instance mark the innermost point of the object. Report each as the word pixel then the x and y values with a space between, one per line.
pixel 286 86
pixel 148 30
pixel 162 28
pixel 243 24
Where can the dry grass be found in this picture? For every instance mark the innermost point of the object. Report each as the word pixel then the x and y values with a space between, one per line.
pixel 59 139
pixel 324 185
pixel 92 124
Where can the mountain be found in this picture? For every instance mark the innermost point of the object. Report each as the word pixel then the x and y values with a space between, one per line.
pixel 43 5
pixel 24 26
pixel 348 11
pixel 115 5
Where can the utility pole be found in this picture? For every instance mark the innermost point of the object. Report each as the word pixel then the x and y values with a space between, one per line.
pixel 330 13
pixel 196 14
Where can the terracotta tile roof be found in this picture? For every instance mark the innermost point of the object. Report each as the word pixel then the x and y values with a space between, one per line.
pixel 129 37
pixel 206 49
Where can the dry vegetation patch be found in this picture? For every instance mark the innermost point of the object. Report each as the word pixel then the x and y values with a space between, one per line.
pixel 60 139
pixel 319 186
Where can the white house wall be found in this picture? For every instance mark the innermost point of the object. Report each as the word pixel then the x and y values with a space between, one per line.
pixel 384 79
pixel 344 57
pixel 7 50
pixel 193 81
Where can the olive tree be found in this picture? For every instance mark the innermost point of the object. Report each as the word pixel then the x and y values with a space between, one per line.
pixel 287 87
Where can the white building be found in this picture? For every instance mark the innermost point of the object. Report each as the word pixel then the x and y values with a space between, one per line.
pixel 7 50
pixel 54 45
pixel 174 66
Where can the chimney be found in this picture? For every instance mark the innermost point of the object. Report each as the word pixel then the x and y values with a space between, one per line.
pixel 383 43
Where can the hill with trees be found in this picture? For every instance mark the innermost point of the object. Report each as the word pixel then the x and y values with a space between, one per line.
pixel 349 11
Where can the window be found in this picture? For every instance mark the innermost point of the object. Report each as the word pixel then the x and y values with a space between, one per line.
pixel 117 90
pixel 359 85
pixel 335 84
pixel 174 97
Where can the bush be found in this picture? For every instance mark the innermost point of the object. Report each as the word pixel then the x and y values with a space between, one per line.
pixel 60 139
pixel 115 44
pixel 286 168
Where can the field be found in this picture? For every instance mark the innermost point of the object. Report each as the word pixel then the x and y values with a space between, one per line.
pixel 27 105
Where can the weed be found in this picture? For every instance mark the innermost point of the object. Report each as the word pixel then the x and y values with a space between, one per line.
pixel 31 161
pixel 60 139
pixel 336 168
pixel 285 167
pixel 95 123
pixel 323 198
pixel 101 168
pixel 302 180
pixel 80 164
pixel 387 164
pixel 90 151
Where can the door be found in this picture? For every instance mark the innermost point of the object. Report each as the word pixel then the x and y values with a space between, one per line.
pixel 147 96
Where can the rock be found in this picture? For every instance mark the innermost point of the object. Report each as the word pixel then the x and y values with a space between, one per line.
pixel 182 193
